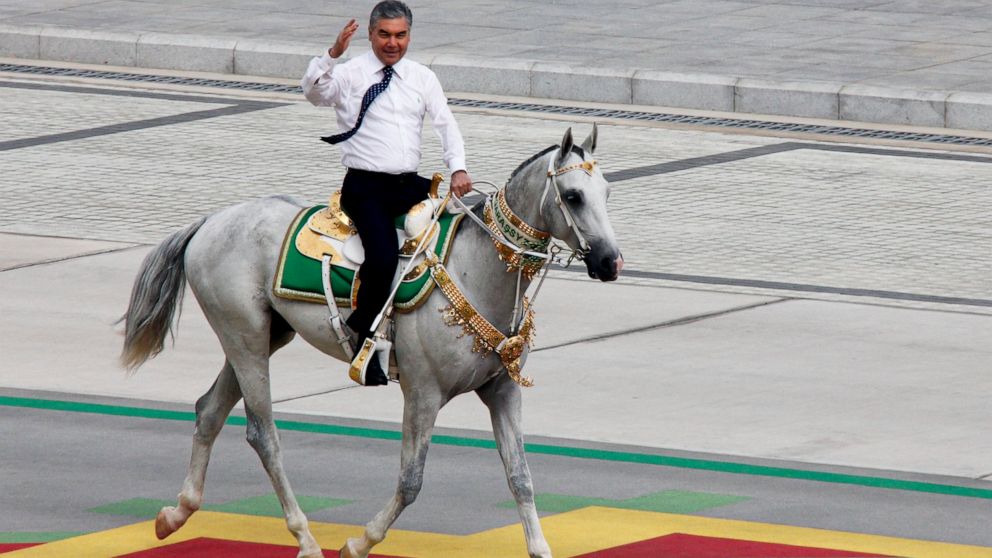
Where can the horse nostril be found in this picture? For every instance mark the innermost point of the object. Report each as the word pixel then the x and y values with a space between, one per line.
pixel 606 263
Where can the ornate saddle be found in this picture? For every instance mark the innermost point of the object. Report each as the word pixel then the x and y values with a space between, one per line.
pixel 326 230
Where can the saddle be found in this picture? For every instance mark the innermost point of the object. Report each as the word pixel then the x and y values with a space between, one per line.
pixel 327 231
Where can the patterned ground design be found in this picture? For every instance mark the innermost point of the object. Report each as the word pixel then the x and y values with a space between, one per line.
pixel 216 548
pixel 691 546
pixel 593 531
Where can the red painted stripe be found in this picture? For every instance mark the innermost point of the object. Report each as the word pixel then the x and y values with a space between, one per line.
pixel 679 545
pixel 217 548
pixel 10 547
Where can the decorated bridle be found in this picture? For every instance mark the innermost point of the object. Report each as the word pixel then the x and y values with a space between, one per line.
pixel 525 250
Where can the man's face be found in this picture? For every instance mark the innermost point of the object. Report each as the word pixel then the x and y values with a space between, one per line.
pixel 389 39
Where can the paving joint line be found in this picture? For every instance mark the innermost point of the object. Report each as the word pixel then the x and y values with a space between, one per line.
pixel 666 324
pixel 800 287
pixel 304 396
pixel 73 257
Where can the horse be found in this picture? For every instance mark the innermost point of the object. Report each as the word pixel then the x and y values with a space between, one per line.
pixel 228 259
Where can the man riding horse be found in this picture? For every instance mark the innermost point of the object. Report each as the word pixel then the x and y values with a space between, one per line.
pixel 380 99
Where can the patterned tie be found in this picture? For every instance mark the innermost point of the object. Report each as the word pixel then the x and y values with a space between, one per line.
pixel 370 96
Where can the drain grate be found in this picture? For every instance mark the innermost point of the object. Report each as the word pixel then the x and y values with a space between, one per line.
pixel 530 107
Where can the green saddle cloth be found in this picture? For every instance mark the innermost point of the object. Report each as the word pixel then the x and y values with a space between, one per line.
pixel 298 277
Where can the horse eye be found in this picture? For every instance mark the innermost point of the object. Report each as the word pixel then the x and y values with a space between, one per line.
pixel 573 197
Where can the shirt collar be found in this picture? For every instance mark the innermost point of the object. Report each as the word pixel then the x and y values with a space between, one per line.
pixel 374 66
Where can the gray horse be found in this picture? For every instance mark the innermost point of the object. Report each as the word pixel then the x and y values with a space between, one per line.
pixel 229 260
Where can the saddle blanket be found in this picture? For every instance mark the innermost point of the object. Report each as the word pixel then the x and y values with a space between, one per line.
pixel 298 275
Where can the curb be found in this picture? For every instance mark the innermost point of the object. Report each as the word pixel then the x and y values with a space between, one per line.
pixel 520 78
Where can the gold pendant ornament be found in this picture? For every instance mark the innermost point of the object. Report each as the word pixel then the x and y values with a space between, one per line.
pixel 487 337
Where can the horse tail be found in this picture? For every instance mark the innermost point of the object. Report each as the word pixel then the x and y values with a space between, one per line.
pixel 156 295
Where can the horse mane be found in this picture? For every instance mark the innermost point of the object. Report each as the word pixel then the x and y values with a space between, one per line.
pixel 575 149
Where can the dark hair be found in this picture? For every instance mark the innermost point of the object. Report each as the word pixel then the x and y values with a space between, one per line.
pixel 390 9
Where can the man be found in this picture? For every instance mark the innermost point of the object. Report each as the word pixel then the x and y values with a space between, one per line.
pixel 381 99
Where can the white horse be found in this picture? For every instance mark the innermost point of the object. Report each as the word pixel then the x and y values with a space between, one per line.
pixel 229 259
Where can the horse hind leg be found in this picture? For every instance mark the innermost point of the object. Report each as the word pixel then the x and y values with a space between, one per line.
pixel 419 413
pixel 252 370
pixel 212 410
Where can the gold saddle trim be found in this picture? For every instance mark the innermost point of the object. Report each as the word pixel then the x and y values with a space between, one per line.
pixel 331 222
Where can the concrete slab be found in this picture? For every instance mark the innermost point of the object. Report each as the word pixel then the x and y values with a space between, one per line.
pixel 812 100
pixel 91 47
pixel 476 75
pixel 273 59
pixel 20 41
pixel 880 104
pixel 973 110
pixel 694 91
pixel 186 52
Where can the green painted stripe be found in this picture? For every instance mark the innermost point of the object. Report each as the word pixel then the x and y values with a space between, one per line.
pixel 545 449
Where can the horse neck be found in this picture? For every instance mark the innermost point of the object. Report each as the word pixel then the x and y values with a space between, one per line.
pixel 484 277
pixel 525 190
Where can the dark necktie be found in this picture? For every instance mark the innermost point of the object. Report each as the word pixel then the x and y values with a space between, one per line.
pixel 367 99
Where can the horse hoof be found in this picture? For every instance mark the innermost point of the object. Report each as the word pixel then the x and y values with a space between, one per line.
pixel 167 522
pixel 349 551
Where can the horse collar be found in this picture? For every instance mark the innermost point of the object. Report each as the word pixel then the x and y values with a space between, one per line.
pixel 502 221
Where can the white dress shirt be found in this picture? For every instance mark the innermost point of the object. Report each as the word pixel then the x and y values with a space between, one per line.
pixel 389 139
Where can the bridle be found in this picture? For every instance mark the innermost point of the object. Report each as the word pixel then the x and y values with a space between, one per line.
pixel 552 180
pixel 523 249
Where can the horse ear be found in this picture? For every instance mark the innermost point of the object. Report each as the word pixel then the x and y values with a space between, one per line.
pixel 590 144
pixel 566 145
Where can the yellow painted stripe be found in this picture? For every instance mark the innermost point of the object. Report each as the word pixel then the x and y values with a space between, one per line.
pixel 569 534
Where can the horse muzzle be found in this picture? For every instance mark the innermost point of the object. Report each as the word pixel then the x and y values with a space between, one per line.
pixel 605 267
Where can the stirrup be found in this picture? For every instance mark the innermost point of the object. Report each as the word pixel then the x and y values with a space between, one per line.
pixel 373 347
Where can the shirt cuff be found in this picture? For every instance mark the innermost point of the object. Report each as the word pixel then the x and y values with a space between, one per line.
pixel 456 165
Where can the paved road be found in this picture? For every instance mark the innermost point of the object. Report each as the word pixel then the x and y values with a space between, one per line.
pixel 823 305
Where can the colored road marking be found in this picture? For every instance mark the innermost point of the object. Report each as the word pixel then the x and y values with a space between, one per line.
pixel 37 537
pixel 576 533
pixel 10 547
pixel 267 505
pixel 545 449
pixel 668 501
pixel 217 548
pixel 691 546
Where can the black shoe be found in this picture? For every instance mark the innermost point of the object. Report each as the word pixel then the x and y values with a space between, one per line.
pixel 374 376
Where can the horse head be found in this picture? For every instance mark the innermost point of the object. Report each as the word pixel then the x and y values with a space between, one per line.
pixel 573 207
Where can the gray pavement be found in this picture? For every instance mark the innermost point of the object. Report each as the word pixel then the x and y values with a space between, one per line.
pixel 906 62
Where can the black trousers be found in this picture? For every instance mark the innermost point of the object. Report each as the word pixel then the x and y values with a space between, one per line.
pixel 373 200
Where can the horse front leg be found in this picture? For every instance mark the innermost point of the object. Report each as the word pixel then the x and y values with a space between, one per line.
pixel 502 396
pixel 419 413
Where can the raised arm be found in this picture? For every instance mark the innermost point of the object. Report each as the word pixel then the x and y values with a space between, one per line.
pixel 319 85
